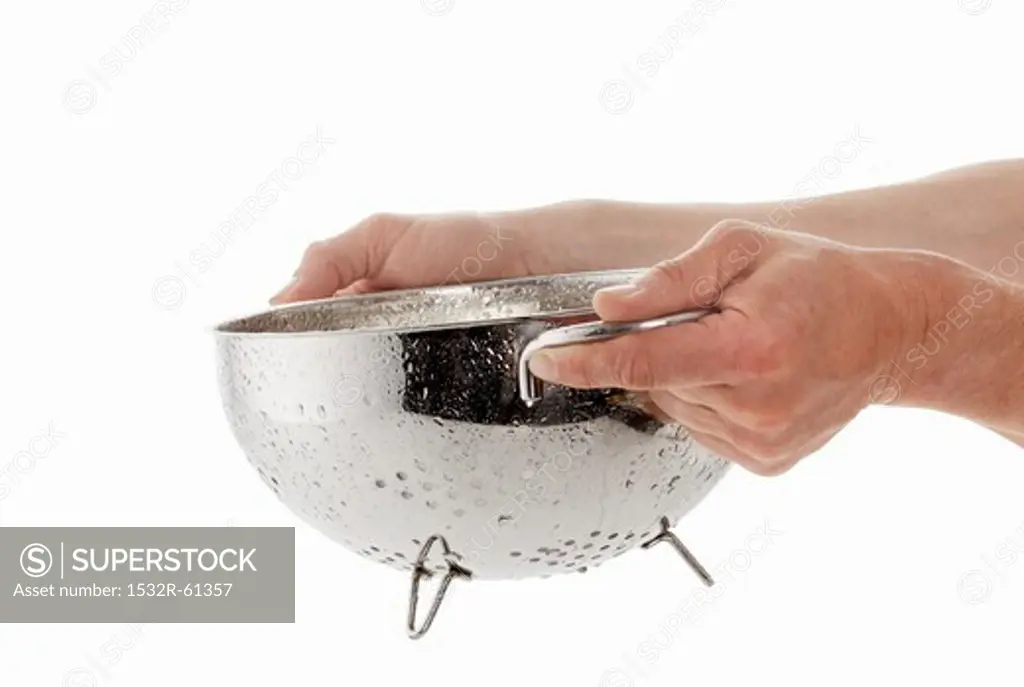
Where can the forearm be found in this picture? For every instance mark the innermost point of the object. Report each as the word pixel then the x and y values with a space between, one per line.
pixel 964 351
pixel 974 214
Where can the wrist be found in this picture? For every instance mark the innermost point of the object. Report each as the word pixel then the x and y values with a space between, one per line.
pixel 945 308
pixel 895 315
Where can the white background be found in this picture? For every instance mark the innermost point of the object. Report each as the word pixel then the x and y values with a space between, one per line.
pixel 107 187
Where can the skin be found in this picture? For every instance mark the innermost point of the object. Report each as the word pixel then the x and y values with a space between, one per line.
pixel 910 294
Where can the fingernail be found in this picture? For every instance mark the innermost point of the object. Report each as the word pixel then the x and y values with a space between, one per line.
pixel 279 296
pixel 620 291
pixel 544 365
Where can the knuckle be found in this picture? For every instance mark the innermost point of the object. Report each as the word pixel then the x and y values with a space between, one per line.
pixel 318 251
pixel 633 369
pixel 728 228
pixel 636 373
pixel 758 468
pixel 379 231
pixel 766 417
pixel 748 443
pixel 774 448
pixel 733 231
pixel 667 271
pixel 380 221
pixel 764 450
pixel 770 468
pixel 577 370
pixel 768 421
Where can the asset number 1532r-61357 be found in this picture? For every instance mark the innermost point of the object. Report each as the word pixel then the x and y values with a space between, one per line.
pixel 157 589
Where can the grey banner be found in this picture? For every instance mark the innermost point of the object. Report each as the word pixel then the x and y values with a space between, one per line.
pixel 147 574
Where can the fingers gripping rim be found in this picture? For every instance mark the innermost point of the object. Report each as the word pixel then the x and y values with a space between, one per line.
pixel 357 253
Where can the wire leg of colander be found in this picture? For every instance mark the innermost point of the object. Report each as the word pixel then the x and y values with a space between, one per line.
pixel 418 573
pixel 667 536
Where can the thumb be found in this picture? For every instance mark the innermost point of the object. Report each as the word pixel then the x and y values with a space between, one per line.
pixel 694 279
pixel 340 262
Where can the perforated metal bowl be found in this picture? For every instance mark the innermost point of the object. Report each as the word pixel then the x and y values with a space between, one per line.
pixel 398 421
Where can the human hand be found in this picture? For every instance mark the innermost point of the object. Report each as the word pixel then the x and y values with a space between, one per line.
pixel 402 251
pixel 803 327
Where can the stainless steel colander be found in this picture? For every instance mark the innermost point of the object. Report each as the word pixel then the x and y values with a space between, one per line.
pixel 406 426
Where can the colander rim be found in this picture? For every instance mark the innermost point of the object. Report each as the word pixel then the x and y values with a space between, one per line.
pixel 471 299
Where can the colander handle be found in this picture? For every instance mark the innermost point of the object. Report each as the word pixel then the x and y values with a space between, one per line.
pixel 531 389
